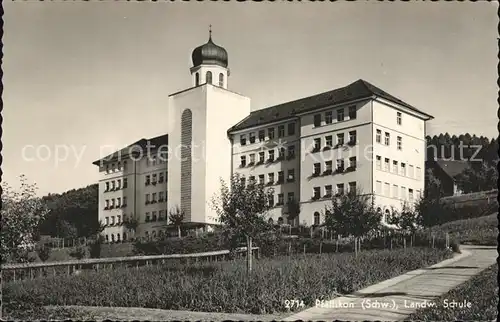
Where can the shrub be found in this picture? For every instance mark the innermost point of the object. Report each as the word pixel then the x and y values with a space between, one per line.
pixel 95 248
pixel 43 252
pixel 80 252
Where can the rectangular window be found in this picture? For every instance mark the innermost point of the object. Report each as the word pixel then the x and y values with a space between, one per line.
pixel 379 136
pixel 282 152
pixel 154 178
pixel 329 141
pixel 113 185
pixel 352 137
pixel 386 164
pixel 317 144
pixel 243 161
pixel 411 172
pixel 291 175
pixel 243 181
pixel 410 194
pixel 261 157
pixel 243 139
pixel 148 218
pixel 112 220
pixel 352 112
pixel 316 192
pixel 107 203
pixel 340 165
pixel 387 138
pixel 252 158
pixel 112 202
pixel 261 179
pixel 395 191
pixel 153 197
pixel 352 187
pixel 160 196
pixel 270 177
pixel 403 193
pixel 252 137
pixel 161 178
pixel 328 190
pixel 340 139
pixel 403 169
pixel 317 120
pixel 161 215
pixel 395 167
pixel 387 188
pixel 124 201
pixel 118 202
pixel 107 186
pixel 352 162
pixel 262 135
pixel 379 162
pixel 317 168
pixel 328 117
pixel 125 183
pixel 378 187
pixel 291 151
pixel 270 133
pixel 399 118
pixel 400 143
pixel 419 173
pixel 271 155
pixel 251 179
pixel 340 114
pixel 291 196
pixel 118 184
pixel 291 128
pixel 328 166
pixel 280 198
pixel 147 197
pixel 281 176
pixel 281 131
pixel 271 200
pixel 148 180
pixel 340 188
pixel 107 221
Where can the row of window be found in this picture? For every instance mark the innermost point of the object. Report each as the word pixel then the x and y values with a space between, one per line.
pixel 329 118
pixel 283 153
pixel 120 202
pixel 156 216
pixel 340 167
pixel 329 141
pixel 116 167
pixel 270 134
pixel 281 199
pixel 110 221
pixel 155 160
pixel 115 238
pixel 399 168
pixel 116 185
pixel 208 77
pixel 397 192
pixel 328 190
pixel 387 139
pixel 155 178
pixel 151 198
pixel 271 178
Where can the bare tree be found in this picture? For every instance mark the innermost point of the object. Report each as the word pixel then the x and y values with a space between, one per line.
pixel 176 217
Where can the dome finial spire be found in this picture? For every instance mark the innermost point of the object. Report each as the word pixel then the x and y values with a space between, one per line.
pixel 210 32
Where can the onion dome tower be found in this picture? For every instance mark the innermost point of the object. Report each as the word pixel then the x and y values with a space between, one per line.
pixel 210 64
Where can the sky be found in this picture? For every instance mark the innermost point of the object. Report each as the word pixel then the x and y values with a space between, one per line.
pixel 82 75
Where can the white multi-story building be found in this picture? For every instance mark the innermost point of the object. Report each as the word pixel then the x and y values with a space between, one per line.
pixel 355 137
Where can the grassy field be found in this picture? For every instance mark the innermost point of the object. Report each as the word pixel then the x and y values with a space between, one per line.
pixel 477 231
pixel 222 287
pixel 482 293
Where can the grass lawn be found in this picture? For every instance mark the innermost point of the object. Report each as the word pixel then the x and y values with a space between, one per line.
pixel 482 293
pixel 223 286
pixel 476 231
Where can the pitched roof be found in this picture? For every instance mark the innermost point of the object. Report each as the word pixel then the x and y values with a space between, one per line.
pixel 354 91
pixel 136 148
pixel 452 168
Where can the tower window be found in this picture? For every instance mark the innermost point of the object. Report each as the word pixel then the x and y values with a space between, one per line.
pixel 221 80
pixel 197 79
pixel 209 77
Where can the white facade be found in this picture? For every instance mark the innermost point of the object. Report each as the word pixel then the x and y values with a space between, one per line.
pixel 323 147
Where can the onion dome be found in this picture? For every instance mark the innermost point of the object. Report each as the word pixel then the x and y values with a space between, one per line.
pixel 209 53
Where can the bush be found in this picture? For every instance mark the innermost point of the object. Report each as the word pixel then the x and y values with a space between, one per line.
pixel 43 252
pixel 225 286
pixel 80 252
pixel 95 248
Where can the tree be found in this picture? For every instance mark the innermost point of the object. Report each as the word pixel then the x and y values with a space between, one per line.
pixel 433 186
pixel 293 210
pixel 352 214
pixel 66 230
pixel 406 220
pixel 176 217
pixel 132 224
pixel 21 213
pixel 430 211
pixel 479 177
pixel 242 209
